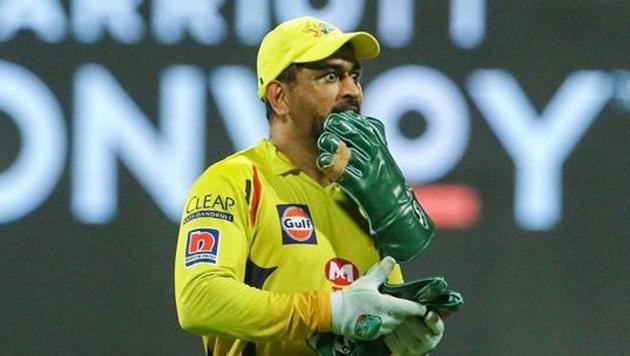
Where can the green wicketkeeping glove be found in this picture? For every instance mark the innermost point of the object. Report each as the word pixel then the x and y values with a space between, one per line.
pixel 355 155
pixel 432 292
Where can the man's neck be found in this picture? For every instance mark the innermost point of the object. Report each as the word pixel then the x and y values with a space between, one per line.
pixel 301 151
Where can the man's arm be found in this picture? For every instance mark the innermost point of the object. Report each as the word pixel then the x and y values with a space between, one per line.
pixel 223 306
pixel 212 250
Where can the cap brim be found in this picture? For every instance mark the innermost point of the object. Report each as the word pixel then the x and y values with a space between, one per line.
pixel 365 47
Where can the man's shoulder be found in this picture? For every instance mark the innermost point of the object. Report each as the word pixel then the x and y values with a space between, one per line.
pixel 239 163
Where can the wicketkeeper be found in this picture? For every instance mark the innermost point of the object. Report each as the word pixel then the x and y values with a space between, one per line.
pixel 290 247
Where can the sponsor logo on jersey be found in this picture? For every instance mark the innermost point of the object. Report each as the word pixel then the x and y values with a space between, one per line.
pixel 297 224
pixel 210 201
pixel 341 272
pixel 208 214
pixel 202 246
pixel 211 205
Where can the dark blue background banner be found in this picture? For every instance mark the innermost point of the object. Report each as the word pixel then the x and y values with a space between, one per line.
pixel 509 118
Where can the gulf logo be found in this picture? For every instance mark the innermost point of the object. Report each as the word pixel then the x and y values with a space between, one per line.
pixel 297 224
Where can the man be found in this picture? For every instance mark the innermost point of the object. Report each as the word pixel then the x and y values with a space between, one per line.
pixel 271 250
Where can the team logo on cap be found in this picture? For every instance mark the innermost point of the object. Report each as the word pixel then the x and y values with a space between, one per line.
pixel 202 246
pixel 317 28
pixel 296 223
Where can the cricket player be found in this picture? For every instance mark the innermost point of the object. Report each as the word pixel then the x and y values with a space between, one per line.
pixel 291 238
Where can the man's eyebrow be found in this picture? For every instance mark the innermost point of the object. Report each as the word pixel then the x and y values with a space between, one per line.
pixel 325 66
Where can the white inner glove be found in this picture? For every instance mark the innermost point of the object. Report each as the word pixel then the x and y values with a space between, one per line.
pixel 416 336
pixel 361 312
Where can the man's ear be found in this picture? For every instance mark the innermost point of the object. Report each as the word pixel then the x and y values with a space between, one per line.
pixel 277 97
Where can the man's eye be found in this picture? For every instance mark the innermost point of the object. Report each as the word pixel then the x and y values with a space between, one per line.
pixel 331 76
pixel 355 76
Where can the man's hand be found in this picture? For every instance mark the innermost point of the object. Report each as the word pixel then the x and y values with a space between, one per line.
pixel 354 154
pixel 361 312
pixel 416 337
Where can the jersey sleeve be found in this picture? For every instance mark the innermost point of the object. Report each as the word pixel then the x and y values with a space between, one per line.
pixel 214 238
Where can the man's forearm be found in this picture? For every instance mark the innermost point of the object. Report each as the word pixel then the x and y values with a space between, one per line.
pixel 211 305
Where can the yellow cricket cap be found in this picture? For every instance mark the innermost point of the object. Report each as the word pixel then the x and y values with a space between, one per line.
pixel 302 40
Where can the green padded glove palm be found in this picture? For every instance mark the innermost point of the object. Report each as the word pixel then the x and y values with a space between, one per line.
pixel 431 292
pixel 354 154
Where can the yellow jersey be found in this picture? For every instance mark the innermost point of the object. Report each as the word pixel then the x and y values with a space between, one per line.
pixel 261 246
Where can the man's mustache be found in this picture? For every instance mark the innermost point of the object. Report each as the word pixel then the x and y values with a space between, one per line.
pixel 348 105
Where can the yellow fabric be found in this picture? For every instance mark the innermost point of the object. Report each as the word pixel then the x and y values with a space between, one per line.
pixel 287 298
pixel 306 39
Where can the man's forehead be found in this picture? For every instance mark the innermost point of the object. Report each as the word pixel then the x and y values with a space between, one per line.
pixel 334 61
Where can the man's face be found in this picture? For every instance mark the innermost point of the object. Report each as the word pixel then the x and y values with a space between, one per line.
pixel 324 87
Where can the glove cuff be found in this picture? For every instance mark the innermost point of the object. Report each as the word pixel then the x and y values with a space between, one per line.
pixel 405 232
pixel 404 237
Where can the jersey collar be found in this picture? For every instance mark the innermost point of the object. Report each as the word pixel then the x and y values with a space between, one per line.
pixel 279 162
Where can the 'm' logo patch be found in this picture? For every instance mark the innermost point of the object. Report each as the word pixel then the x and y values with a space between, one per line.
pixel 341 272
pixel 296 223
pixel 202 246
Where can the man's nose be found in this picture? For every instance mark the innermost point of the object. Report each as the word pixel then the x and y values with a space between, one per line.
pixel 350 87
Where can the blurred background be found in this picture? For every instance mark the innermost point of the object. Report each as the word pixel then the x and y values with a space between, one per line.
pixel 510 119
